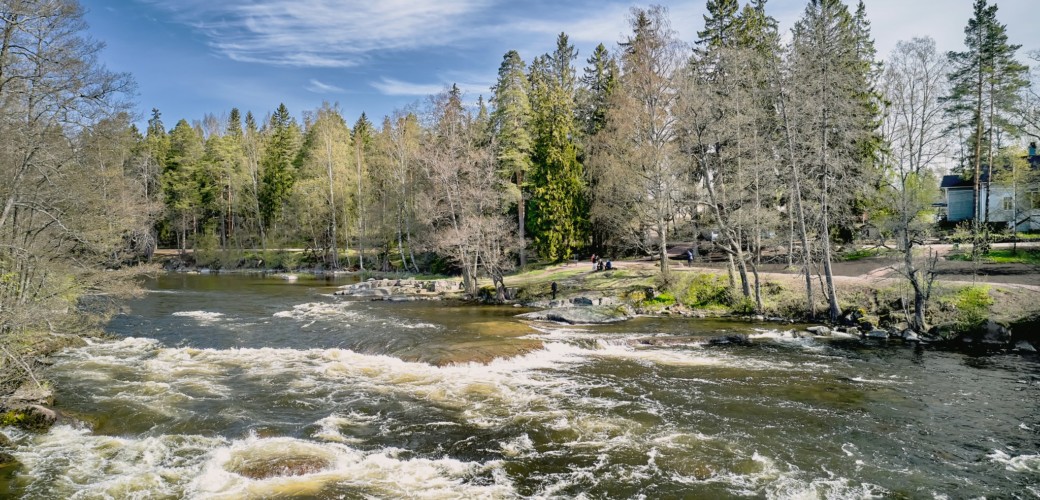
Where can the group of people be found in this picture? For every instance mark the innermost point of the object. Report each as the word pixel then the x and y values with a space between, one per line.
pixel 601 264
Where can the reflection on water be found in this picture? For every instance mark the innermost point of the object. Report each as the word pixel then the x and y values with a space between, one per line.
pixel 237 387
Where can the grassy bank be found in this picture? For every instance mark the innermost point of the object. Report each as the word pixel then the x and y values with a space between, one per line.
pixel 883 302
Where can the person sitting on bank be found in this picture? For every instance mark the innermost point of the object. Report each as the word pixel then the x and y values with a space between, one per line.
pixel 609 265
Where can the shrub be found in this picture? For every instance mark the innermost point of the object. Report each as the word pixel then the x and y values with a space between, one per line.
pixel 707 290
pixel 661 299
pixel 972 306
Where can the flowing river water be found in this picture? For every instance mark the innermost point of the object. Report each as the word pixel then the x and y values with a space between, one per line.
pixel 253 387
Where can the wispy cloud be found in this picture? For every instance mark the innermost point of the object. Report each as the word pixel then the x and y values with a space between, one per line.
pixel 394 87
pixel 319 87
pixel 321 33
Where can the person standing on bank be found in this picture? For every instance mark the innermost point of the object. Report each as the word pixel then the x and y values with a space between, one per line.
pixel 554 288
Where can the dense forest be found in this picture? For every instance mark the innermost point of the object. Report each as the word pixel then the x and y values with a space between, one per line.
pixel 780 148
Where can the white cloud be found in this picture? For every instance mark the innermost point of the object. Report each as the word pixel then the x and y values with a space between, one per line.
pixel 394 87
pixel 319 87
pixel 321 33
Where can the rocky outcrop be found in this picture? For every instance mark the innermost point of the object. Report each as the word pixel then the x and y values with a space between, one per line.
pixel 402 289
pixel 577 315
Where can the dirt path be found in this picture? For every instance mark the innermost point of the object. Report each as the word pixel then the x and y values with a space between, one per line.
pixel 881 270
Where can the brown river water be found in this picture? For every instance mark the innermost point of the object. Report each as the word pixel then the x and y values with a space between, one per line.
pixel 254 387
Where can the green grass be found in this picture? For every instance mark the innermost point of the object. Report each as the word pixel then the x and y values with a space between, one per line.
pixel 1004 256
pixel 864 253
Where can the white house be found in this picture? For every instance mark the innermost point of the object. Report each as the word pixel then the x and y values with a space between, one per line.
pixel 1010 204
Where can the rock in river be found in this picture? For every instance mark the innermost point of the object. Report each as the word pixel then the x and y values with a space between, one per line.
pixel 577 315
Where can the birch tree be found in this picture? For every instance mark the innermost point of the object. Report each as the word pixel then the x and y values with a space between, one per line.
pixel 914 128
pixel 639 177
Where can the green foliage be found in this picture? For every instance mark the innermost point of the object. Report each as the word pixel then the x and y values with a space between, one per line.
pixel 972 305
pixel 705 290
pixel 661 299
pixel 12 418
pixel 744 305
pixel 558 218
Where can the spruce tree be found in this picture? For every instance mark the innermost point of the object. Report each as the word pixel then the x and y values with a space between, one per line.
pixel 511 123
pixel 558 219
pixel 277 167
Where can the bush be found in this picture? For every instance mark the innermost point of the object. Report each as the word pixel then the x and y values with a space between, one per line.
pixel 972 306
pixel 661 299
pixel 707 290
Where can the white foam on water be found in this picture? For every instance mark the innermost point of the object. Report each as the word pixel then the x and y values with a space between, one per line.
pixel 1021 463
pixel 203 317
pixel 520 446
pixel 330 427
pixel 387 472
pixel 313 311
pixel 68 462
pixel 794 488
pixel 73 463
pixel 416 326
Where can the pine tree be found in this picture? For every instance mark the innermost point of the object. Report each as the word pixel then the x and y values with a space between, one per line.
pixel 984 88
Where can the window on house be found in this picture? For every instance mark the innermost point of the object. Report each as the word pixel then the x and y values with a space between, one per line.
pixel 1034 199
pixel 1008 203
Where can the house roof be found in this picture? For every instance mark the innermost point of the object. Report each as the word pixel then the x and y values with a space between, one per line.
pixel 957 181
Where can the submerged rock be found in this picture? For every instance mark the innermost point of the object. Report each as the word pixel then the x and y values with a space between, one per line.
pixel 7 459
pixel 276 466
pixel 877 334
pixel 734 339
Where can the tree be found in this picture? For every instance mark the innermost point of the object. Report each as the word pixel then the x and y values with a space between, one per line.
pixel 181 191
pixel 324 172
pixel 464 205
pixel 277 169
pixel 830 118
pixel 985 85
pixel 559 216
pixel 914 131
pixel 637 175
pixel 67 209
pixel 725 114
pixel 510 121
pixel 361 141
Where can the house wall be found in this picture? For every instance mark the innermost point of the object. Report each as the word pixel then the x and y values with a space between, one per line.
pixel 1020 208
pixel 958 204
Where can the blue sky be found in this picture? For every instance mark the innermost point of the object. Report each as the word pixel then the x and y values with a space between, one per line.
pixel 192 57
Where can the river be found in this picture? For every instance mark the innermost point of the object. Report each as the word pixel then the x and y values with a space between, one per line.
pixel 256 387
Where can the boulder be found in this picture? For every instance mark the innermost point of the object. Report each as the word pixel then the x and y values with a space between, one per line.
pixel 577 315
pixel 34 418
pixel 1023 346
pixel 734 339
pixel 910 336
pixel 877 334
pixel 819 330
pixel 30 393
pixel 5 442
pixel 581 301
pixel 7 459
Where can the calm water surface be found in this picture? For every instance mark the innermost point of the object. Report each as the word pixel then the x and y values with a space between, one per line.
pixel 253 387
